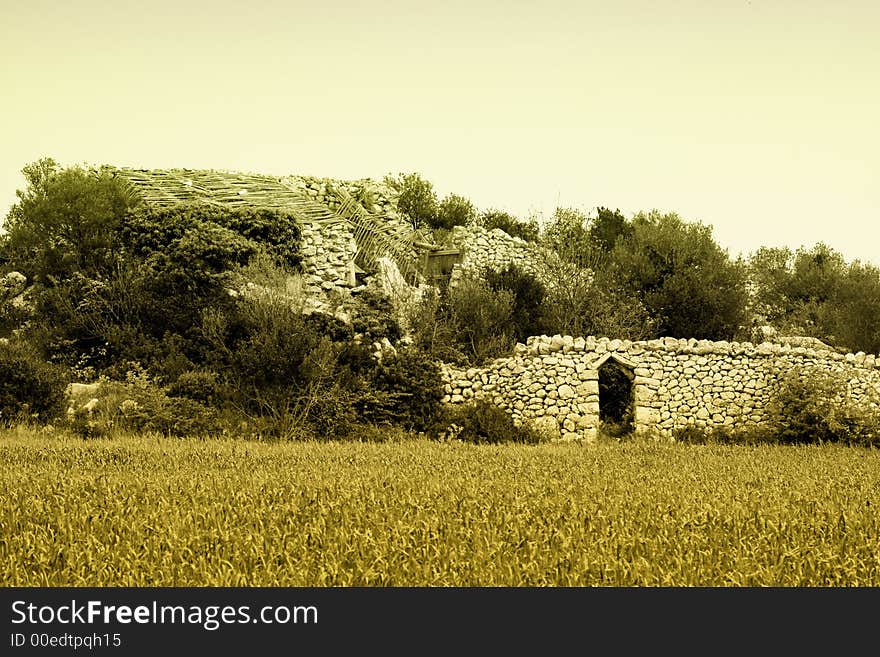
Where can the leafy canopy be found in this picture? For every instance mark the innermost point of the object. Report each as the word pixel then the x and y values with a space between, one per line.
pixel 686 281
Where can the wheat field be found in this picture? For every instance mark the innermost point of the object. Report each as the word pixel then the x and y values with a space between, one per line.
pixel 149 511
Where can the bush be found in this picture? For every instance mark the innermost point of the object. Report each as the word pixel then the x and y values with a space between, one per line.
pixel 454 210
pixel 404 389
pixel 416 199
pixel 198 385
pixel 138 404
pixel 470 323
pixel 483 422
pixel 13 317
pixel 219 237
pixel 528 298
pixel 481 320
pixel 373 316
pixel 491 219
pixel 66 221
pixel 30 388
pixel 684 278
pixel 814 406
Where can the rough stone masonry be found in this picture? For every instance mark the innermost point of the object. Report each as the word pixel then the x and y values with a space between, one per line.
pixel 553 382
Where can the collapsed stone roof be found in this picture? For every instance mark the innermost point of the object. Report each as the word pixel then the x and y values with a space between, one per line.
pixel 367 206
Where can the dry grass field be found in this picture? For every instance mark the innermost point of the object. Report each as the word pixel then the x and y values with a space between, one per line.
pixel 146 511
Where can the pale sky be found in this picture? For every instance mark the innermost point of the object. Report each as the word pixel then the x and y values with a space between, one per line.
pixel 759 118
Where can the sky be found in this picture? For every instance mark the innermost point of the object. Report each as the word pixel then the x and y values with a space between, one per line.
pixel 758 118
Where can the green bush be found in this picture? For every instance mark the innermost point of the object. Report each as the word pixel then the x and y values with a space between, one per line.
pixel 199 385
pixel 528 299
pixel 13 317
pixel 403 389
pixel 66 221
pixel 139 405
pixel 416 198
pixel 491 219
pixel 483 422
pixel 481 320
pixel 218 237
pixel 30 388
pixel 469 323
pixel 815 406
pixel 373 316
pixel 454 210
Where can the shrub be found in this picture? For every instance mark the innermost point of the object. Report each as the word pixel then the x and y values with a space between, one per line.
pixel 405 389
pixel 483 422
pixel 814 406
pixel 454 210
pixel 199 385
pixel 528 298
pixel 220 236
pixel 373 316
pixel 13 317
pixel 416 198
pixel 66 221
pixel 29 387
pixel 139 405
pixel 491 219
pixel 470 323
pixel 688 283
pixel 432 331
pixel 481 319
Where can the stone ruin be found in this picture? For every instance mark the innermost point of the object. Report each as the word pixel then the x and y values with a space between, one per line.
pixel 553 382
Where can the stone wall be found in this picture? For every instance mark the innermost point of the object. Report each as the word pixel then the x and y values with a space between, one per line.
pixel 494 249
pixel 554 381
pixel 376 197
pixel 328 251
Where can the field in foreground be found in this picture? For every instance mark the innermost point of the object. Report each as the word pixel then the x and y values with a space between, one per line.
pixel 158 512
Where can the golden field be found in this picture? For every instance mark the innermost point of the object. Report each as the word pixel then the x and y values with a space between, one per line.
pixel 149 511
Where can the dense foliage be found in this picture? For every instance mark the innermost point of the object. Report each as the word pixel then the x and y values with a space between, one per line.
pixel 202 303
pixel 685 280
pixel 815 292
pixel 30 388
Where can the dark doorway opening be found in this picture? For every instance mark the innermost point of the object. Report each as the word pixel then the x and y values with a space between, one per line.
pixel 616 399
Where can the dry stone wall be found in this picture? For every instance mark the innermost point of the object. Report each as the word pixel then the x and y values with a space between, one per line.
pixel 328 251
pixel 375 196
pixel 553 382
pixel 494 249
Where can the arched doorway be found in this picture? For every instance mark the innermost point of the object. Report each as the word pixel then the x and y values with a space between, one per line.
pixel 616 397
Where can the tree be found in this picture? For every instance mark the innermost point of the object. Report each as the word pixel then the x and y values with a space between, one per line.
pixel 795 292
pixel 686 281
pixel 454 210
pixel 606 228
pixel 416 198
pixel 853 319
pixel 65 221
pixel 569 235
